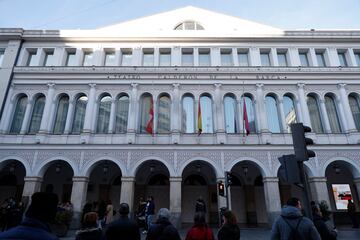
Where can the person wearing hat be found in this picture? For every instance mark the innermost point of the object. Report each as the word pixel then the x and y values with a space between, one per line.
pixel 163 229
pixel 42 210
pixel 123 227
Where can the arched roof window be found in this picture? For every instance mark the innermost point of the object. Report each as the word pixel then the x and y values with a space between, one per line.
pixel 189 25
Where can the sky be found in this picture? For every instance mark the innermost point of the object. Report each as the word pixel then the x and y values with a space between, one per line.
pixel 92 14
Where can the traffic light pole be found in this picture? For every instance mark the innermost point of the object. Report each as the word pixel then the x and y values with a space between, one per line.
pixel 227 196
pixel 305 190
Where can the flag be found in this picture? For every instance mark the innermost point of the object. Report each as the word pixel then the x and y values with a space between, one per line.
pixel 246 120
pixel 199 119
pixel 150 123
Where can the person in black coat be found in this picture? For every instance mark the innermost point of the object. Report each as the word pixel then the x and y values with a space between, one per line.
pixel 90 229
pixel 323 229
pixel 123 227
pixel 229 230
pixel 163 229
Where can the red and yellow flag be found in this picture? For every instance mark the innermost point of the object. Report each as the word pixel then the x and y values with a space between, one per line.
pixel 199 126
pixel 150 124
pixel 246 120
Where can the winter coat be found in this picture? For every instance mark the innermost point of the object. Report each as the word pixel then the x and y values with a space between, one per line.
pixel 163 230
pixel 200 233
pixel 109 214
pixel 281 229
pixel 150 208
pixel 323 229
pixel 89 234
pixel 229 232
pixel 29 229
pixel 124 227
pixel 200 206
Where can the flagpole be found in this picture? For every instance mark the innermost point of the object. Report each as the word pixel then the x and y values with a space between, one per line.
pixel 243 117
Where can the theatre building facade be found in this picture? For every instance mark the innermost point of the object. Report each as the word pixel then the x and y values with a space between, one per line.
pixel 77 106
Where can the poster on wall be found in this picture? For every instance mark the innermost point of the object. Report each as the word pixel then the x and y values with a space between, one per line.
pixel 342 194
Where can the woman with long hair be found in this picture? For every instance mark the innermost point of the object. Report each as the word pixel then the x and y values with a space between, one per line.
pixel 229 230
pixel 200 230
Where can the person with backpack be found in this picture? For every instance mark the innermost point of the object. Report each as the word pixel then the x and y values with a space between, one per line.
pixel 324 231
pixel 229 230
pixel 291 224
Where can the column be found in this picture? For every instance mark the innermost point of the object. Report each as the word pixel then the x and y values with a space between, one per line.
pixel 312 60
pixel 156 106
pixel 351 57
pixel 175 116
pixel 319 190
pixel 332 55
pixel 196 56
pixel 294 57
pixel 260 105
pixel 69 116
pixel 234 53
pixel 112 116
pixel 272 198
pixel 132 109
pixel 26 121
pixel 254 56
pixel 219 109
pixel 346 106
pixel 240 115
pixel 176 56
pixel 299 114
pixel 31 185
pixel 324 115
pixel 137 55
pixel 273 57
pixel 304 108
pixel 357 185
pixel 90 109
pixel 175 200
pixel 215 56
pixel 282 116
pixel 49 106
pixel 78 198
pixel 7 113
pixel 127 192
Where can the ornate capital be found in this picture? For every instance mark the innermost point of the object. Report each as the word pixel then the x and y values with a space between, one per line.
pixel 341 85
pixel 92 85
pixel 80 179
pixel 51 85
pixel 176 85
pixel 217 85
pixel 134 85
pixel 259 85
pixel 301 85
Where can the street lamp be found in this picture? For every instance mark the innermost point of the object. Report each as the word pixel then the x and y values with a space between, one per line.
pixel 337 169
pixel 152 167
pixel 245 169
pixel 198 167
pixel 58 168
pixel 105 168
pixel 12 167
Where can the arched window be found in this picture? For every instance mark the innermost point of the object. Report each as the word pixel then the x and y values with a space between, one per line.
pixel 79 114
pixel 188 116
pixel 206 114
pixel 189 25
pixel 122 112
pixel 145 103
pixel 104 114
pixel 164 110
pixel 314 113
pixel 61 114
pixel 37 115
pixel 230 114
pixel 250 110
pixel 18 115
pixel 355 110
pixel 332 115
pixel 272 114
pixel 289 111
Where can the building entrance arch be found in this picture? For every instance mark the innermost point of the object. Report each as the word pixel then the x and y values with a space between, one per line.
pixel 12 173
pixel 199 181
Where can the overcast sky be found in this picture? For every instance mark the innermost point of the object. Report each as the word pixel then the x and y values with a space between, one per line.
pixel 92 14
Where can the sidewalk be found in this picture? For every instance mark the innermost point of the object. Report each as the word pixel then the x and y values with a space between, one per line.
pixel 257 234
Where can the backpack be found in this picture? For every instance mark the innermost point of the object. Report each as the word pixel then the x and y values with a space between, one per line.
pixel 294 233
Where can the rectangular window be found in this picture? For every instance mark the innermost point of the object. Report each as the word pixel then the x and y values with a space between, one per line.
pixel 126 59
pixel 88 59
pixel 187 57
pixel 49 57
pixel 148 57
pixel 31 58
pixel 320 59
pixel 110 58
pixel 304 61
pixel 342 59
pixel 243 58
pixel 165 57
pixel 204 57
pixel 357 58
pixel 2 52
pixel 282 61
pixel 265 58
pixel 71 58
pixel 226 57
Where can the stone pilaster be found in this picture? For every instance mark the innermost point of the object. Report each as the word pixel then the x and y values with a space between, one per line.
pixel 127 192
pixel 78 198
pixel 272 198
pixel 319 190
pixel 175 200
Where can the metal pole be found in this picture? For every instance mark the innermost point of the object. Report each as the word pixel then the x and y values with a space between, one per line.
pixel 305 187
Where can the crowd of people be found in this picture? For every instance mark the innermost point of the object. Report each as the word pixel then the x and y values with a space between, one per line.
pixel 11 213
pixel 99 221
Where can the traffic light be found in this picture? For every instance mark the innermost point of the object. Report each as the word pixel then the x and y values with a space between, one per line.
pixel 228 179
pixel 221 188
pixel 300 142
pixel 289 170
